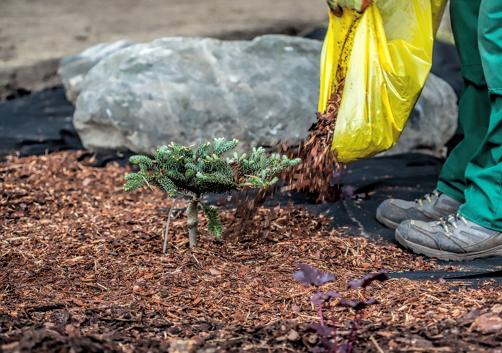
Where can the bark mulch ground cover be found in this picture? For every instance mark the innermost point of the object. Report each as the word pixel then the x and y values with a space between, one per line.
pixel 82 270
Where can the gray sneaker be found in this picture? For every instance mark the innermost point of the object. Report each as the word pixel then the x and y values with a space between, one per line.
pixel 452 239
pixel 430 207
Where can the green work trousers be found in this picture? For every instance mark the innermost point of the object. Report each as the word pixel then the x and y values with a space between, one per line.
pixel 472 174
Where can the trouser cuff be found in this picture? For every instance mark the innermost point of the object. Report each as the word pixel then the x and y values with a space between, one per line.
pixel 451 192
pixel 471 216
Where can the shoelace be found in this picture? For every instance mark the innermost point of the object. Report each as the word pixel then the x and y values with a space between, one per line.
pixel 451 221
pixel 430 198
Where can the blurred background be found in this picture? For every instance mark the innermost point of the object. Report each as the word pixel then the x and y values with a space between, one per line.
pixel 39 32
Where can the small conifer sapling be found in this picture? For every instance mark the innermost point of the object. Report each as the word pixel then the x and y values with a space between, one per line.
pixel 189 172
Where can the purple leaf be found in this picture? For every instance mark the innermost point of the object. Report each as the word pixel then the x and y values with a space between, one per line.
pixel 368 279
pixel 311 276
pixel 348 192
pixel 345 348
pixel 325 342
pixel 371 302
pixel 322 330
pixel 324 297
pixel 356 305
pixel 337 176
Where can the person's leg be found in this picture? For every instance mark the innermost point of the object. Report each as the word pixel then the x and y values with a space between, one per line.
pixel 474 104
pixel 483 194
pixel 474 113
pixel 476 231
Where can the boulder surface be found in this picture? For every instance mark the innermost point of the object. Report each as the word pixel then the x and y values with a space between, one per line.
pixel 73 69
pixel 189 90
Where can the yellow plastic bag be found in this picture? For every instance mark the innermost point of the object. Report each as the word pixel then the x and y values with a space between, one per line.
pixel 379 60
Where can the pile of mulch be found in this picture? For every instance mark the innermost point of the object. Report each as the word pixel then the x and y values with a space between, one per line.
pixel 81 270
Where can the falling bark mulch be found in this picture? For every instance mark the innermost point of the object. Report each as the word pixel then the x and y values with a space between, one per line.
pixel 81 270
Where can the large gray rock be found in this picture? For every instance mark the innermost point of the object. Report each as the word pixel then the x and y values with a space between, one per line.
pixel 188 90
pixel 74 68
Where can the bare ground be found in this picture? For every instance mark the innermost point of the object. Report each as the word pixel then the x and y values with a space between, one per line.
pixel 35 34
pixel 31 31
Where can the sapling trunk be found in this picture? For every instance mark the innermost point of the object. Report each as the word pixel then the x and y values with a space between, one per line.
pixel 193 221
pixel 166 228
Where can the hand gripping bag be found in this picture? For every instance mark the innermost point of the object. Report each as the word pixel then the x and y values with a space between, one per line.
pixel 378 63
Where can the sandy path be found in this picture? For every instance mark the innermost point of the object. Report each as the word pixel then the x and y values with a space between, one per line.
pixel 31 31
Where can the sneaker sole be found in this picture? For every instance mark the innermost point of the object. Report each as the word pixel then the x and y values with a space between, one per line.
pixel 385 221
pixel 445 255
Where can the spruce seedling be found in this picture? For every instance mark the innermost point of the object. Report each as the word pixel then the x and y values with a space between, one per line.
pixel 189 172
